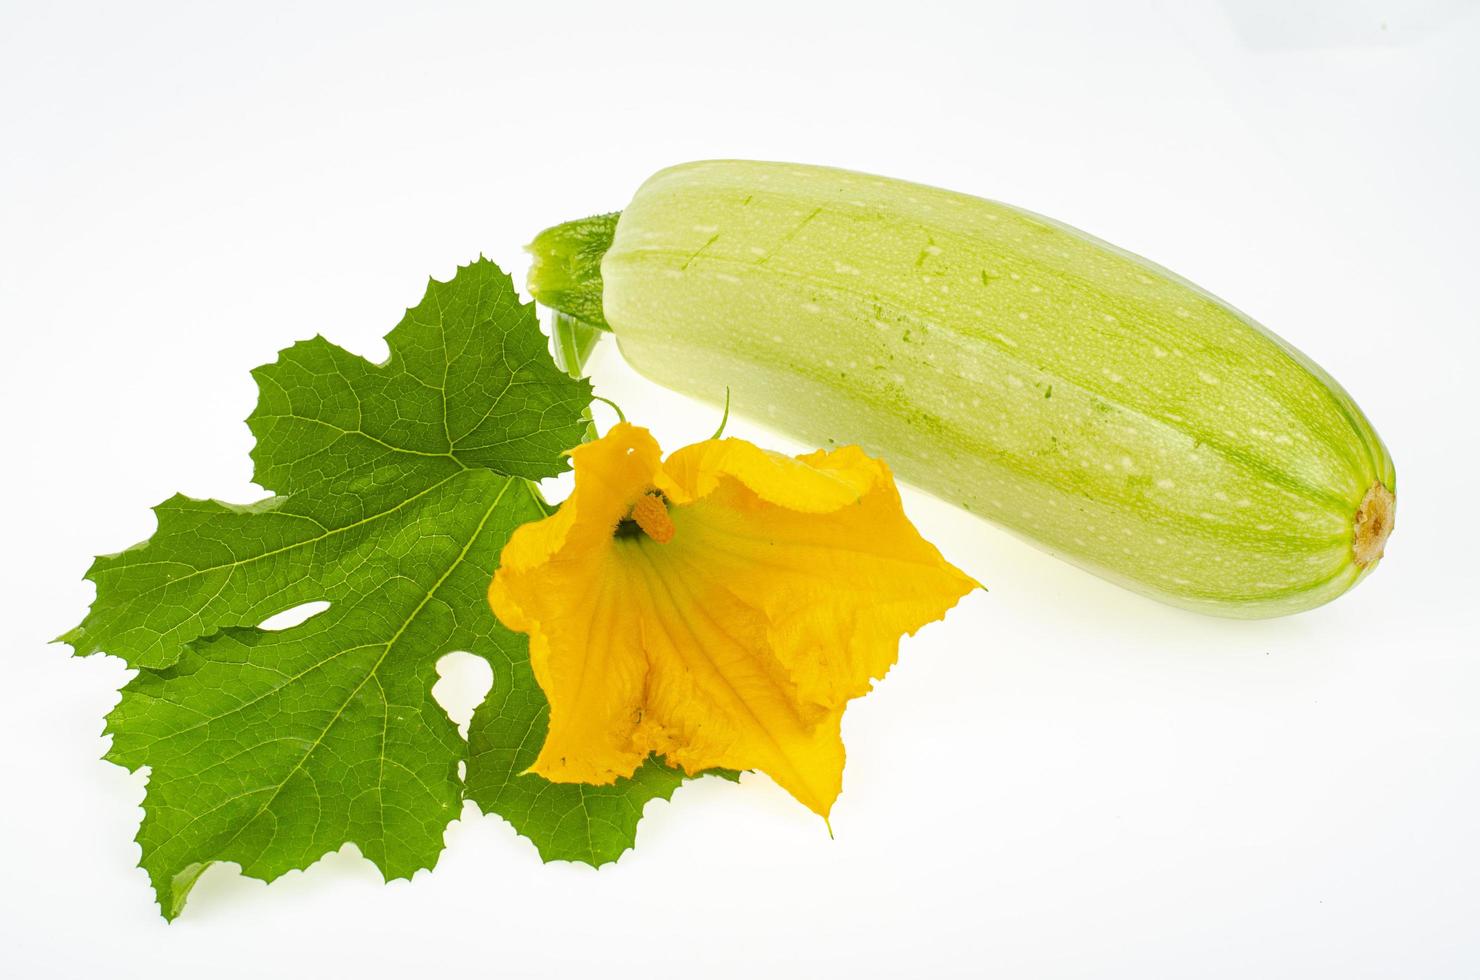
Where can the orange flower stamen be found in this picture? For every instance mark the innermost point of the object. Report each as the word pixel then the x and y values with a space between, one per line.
pixel 650 515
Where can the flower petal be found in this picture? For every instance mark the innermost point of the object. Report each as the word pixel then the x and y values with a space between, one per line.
pixel 818 483
pixel 717 696
pixel 560 581
pixel 839 577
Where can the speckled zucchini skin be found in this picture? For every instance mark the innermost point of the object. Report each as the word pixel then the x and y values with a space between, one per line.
pixel 1095 403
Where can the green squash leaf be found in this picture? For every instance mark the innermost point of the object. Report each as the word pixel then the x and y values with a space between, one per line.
pixel 272 748
pixel 351 450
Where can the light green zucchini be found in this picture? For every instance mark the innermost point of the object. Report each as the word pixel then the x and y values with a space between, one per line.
pixel 1104 408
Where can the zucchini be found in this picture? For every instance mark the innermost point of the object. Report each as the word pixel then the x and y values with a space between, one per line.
pixel 1097 404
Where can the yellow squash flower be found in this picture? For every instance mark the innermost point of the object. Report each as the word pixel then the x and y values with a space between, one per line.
pixel 719 608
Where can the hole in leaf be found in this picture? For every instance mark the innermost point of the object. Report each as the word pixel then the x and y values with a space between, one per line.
pixel 464 681
pixel 556 488
pixel 293 616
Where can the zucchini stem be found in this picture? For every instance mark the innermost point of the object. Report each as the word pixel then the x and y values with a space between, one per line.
pixel 566 272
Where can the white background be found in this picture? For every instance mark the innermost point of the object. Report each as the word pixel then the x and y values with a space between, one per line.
pixel 1062 780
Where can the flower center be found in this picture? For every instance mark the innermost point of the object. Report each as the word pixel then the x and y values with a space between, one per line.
pixel 650 515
